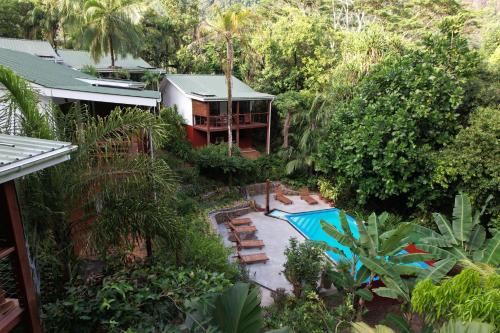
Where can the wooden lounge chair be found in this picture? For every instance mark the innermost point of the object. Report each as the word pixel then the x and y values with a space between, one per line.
pixel 281 197
pixel 248 259
pixel 248 243
pixel 241 221
pixel 306 196
pixel 242 229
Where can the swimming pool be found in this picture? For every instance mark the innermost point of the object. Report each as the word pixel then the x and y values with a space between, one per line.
pixel 308 224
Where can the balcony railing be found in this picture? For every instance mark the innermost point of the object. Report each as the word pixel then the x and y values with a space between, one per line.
pixel 243 120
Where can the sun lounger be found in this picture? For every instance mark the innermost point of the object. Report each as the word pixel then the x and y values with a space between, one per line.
pixel 306 196
pixel 248 243
pixel 248 259
pixel 241 221
pixel 242 229
pixel 281 197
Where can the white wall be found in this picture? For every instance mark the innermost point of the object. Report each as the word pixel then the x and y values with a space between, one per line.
pixel 172 96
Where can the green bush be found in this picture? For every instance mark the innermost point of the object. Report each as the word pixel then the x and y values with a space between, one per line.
pixel 380 143
pixel 471 162
pixel 137 299
pixel 213 161
pixel 176 142
pixel 467 296
pixel 304 263
pixel 306 315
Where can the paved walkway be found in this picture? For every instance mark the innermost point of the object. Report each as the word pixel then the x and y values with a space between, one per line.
pixel 275 233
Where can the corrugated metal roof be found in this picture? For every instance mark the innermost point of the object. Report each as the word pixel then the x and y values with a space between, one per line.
pixel 79 59
pixel 20 156
pixel 52 75
pixel 213 87
pixel 39 48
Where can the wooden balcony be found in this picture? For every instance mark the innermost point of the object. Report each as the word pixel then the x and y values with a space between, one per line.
pixel 219 123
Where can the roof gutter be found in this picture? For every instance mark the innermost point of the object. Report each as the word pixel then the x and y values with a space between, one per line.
pixel 36 163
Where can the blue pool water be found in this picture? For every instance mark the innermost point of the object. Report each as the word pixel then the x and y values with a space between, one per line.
pixel 309 225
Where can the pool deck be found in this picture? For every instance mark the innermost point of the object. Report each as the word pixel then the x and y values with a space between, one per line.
pixel 275 233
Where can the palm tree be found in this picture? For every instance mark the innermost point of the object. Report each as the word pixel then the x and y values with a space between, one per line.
pixel 98 173
pixel 110 27
pixel 227 26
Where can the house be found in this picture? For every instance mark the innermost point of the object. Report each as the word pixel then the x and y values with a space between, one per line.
pixel 39 48
pixel 65 86
pixel 135 66
pixel 20 156
pixel 202 102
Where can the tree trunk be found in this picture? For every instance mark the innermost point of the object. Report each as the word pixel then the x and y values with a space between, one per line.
pixel 286 128
pixel 229 73
pixel 111 51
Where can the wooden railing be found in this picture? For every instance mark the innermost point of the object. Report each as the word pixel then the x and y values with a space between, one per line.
pixel 241 119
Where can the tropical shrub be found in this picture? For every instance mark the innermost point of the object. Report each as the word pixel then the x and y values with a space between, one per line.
pixel 176 140
pixel 303 315
pixel 380 142
pixel 379 255
pixel 236 309
pixel 328 190
pixel 139 299
pixel 451 326
pixel 467 296
pixel 464 238
pixel 304 262
pixel 470 163
pixel 214 162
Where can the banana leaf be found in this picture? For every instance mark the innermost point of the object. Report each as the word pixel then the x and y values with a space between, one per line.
pixel 384 270
pixel 491 253
pixel 477 237
pixel 456 326
pixel 440 242
pixel 336 234
pixel 438 252
pixel 438 271
pixel 365 294
pixel 444 227
pixel 372 229
pixel 396 239
pixel 345 226
pixel 362 275
pixel 462 218
pixel 238 310
pixel 412 257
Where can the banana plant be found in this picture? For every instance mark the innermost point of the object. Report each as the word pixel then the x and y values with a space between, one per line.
pixel 236 310
pixel 462 239
pixel 380 254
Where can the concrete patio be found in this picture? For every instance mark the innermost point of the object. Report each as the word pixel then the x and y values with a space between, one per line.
pixel 275 233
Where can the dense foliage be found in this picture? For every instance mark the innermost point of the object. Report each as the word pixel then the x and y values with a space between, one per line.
pixel 153 293
pixel 381 143
pixel 467 296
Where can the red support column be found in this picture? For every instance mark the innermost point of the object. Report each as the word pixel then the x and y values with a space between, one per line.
pixel 23 271
pixel 238 123
pixel 268 134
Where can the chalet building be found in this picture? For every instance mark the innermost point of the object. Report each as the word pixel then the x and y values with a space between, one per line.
pixel 202 102
pixel 64 86
pixel 135 66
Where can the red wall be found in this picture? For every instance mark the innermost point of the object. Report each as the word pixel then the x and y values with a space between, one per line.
pixel 197 138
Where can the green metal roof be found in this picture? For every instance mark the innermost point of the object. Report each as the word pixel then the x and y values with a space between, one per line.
pixel 55 76
pixel 39 48
pixel 213 87
pixel 79 59
pixel 20 156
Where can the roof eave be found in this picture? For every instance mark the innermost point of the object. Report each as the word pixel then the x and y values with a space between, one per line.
pixel 22 168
